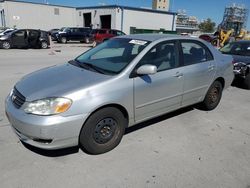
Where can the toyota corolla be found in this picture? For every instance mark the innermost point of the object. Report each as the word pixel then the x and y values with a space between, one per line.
pixel 91 100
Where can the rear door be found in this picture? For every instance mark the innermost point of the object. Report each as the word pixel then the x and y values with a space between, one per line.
pixel 199 68
pixel 33 38
pixel 162 92
pixel 19 38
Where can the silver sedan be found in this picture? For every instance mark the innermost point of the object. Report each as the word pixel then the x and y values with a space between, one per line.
pixel 91 100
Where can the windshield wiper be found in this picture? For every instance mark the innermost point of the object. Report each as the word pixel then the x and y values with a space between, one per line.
pixel 88 66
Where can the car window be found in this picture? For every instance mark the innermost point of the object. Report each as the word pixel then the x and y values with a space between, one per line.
pixel 163 56
pixel 33 33
pixel 113 55
pixel 236 49
pixel 20 33
pixel 119 33
pixel 194 52
pixel 108 52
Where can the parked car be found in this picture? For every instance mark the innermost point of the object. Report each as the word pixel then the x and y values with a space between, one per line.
pixel 126 80
pixel 55 34
pixel 25 38
pixel 240 50
pixel 6 32
pixel 207 37
pixel 71 34
pixel 53 31
pixel 98 36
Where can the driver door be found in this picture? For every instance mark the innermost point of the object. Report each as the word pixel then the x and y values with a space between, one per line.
pixel 19 39
pixel 162 92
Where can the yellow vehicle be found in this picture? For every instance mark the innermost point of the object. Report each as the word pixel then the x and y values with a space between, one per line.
pixel 225 36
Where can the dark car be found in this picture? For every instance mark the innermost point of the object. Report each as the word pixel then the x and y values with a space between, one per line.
pixel 99 35
pixel 53 31
pixel 71 34
pixel 240 50
pixel 25 38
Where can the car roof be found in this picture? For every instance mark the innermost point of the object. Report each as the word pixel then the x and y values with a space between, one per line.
pixel 154 37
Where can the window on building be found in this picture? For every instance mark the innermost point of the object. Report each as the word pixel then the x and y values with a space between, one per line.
pixel 80 13
pixel 56 11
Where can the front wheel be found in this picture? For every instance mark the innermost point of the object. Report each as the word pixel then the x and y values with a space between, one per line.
pixel 103 131
pixel 6 45
pixel 63 40
pixel 212 97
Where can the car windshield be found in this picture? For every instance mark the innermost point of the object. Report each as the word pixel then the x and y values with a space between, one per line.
pixel 62 29
pixel 112 56
pixel 237 48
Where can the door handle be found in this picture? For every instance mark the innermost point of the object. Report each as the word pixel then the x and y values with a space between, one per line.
pixel 210 67
pixel 178 75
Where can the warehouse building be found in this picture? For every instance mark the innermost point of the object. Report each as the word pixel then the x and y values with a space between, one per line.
pixel 126 19
pixel 22 14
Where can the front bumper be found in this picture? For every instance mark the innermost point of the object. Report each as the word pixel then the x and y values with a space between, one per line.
pixel 46 132
pixel 241 70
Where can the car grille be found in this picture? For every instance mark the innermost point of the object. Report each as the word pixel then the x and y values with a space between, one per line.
pixel 17 98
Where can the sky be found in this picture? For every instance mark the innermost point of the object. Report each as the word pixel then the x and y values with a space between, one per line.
pixel 202 9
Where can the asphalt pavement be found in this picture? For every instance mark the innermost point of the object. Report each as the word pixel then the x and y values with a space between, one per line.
pixel 188 148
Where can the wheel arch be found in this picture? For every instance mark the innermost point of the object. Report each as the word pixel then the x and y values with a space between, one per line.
pixel 115 105
pixel 221 80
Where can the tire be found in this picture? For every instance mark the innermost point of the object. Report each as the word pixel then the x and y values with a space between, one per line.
pixel 213 97
pixel 103 131
pixel 247 81
pixel 6 45
pixel 94 44
pixel 214 42
pixel 44 45
pixel 63 40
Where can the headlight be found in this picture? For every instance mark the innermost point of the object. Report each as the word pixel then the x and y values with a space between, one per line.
pixel 48 106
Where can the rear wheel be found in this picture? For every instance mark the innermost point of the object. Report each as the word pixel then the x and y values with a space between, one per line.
pixel 44 45
pixel 212 97
pixel 103 131
pixel 6 45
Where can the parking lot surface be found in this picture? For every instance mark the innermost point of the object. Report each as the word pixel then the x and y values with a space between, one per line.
pixel 185 149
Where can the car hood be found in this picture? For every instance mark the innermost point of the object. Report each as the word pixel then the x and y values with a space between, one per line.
pixel 239 58
pixel 57 81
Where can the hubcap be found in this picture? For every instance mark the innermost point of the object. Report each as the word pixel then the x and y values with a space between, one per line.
pixel 44 45
pixel 6 45
pixel 63 40
pixel 104 130
pixel 214 95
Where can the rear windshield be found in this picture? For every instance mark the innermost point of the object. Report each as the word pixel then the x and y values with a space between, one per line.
pixel 237 48
pixel 112 56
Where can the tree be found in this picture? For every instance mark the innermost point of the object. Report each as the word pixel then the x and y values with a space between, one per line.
pixel 207 26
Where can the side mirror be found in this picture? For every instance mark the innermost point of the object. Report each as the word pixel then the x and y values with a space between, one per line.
pixel 146 70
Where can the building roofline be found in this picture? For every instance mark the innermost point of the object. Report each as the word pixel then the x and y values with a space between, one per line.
pixel 36 3
pixel 127 8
